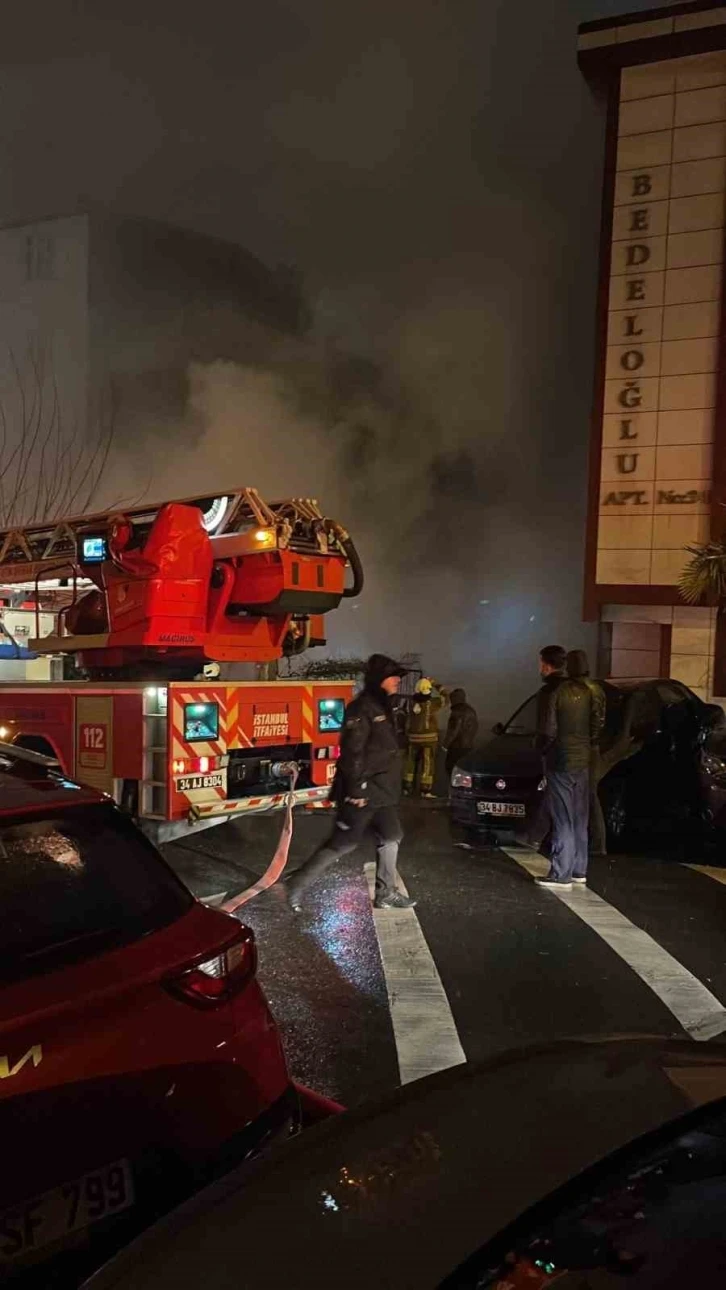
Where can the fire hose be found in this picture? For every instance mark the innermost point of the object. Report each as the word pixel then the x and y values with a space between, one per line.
pixel 314 1106
pixel 290 770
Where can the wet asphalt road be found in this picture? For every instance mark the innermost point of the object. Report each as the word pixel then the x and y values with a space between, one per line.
pixel 518 966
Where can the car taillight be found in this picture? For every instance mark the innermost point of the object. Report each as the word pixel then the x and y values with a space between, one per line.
pixel 216 979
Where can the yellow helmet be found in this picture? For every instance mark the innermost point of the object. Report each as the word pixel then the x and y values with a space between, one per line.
pixel 424 686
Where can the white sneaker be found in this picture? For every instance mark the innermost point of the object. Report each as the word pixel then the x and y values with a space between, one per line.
pixel 553 884
pixel 580 882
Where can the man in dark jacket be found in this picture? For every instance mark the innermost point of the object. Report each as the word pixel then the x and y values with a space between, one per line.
pixel 366 788
pixel 570 719
pixel 578 666
pixel 461 731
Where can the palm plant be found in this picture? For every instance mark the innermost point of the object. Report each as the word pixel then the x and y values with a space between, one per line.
pixel 704 576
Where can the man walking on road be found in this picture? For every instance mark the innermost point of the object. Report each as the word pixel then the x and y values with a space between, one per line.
pixel 366 788
pixel 569 721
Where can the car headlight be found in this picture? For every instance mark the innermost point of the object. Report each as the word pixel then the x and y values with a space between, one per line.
pixel 460 779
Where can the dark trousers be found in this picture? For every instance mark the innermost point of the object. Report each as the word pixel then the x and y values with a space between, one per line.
pixel 453 756
pixel 568 799
pixel 351 826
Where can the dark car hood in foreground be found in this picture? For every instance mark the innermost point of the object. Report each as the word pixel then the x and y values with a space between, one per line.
pixel 398 1195
pixel 512 753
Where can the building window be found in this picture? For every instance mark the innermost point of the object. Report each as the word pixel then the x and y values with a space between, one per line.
pixel 39 258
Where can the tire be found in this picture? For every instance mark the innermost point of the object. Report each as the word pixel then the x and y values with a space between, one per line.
pixel 129 803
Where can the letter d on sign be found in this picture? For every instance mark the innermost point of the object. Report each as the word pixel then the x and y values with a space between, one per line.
pixel 636 254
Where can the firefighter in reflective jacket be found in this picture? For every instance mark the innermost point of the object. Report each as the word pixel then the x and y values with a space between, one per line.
pixel 422 737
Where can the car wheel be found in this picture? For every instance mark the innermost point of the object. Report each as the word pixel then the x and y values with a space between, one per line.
pixel 616 818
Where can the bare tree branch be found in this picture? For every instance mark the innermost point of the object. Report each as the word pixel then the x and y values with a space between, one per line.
pixel 50 467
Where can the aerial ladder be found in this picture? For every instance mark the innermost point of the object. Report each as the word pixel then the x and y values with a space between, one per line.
pixel 159 590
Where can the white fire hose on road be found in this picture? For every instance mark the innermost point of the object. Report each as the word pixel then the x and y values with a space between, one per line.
pixel 276 866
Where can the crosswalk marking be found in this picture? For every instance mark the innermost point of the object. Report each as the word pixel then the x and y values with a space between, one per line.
pixel 699 1012
pixel 711 871
pixel 423 1025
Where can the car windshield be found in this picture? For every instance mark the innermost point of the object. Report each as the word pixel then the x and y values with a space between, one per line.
pixel 655 1218
pixel 524 721
pixel 76 882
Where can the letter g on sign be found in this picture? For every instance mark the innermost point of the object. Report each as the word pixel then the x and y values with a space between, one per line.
pixel 631 395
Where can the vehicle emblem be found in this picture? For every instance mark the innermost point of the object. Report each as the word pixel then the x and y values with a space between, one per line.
pixel 34 1055
pixel 501 784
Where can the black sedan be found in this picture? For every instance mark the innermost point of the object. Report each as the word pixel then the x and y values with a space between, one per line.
pixel 580 1164
pixel 663 758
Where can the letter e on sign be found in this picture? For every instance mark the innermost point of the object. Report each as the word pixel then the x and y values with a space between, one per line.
pixel 92 744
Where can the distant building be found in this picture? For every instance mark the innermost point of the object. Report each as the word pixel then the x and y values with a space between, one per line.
pixel 101 316
pixel 658 463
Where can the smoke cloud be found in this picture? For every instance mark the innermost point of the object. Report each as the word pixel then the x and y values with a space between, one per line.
pixel 408 440
pixel 436 173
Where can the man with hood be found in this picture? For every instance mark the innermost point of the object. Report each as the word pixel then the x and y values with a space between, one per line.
pixel 366 789
pixel 461 730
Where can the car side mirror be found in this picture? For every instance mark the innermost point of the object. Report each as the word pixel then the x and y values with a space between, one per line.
pixel 498 729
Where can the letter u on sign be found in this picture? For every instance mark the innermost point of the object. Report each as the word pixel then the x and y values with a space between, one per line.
pixel 627 462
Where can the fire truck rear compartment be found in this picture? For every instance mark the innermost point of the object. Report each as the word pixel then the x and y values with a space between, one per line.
pixel 253 771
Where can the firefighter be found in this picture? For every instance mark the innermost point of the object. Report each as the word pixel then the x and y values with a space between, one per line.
pixel 422 737
pixel 366 789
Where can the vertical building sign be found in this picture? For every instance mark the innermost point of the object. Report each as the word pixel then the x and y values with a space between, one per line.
pixel 663 319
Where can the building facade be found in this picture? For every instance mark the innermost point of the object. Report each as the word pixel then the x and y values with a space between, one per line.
pixel 658 458
pixel 100 319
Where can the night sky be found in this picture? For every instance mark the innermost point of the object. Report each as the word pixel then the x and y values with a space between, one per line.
pixel 434 171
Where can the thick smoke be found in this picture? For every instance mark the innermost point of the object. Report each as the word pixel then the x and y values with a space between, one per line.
pixel 408 441
pixel 438 180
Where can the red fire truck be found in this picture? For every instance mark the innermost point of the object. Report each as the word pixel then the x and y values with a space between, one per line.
pixel 146 602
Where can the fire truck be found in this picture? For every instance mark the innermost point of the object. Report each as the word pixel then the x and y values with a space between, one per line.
pixel 146 604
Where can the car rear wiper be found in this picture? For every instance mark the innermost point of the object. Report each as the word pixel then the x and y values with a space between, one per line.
pixel 71 940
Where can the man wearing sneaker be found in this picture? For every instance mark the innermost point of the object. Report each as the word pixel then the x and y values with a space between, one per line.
pixel 366 789
pixel 570 720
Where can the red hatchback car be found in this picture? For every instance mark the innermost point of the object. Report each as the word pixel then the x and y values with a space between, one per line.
pixel 137 1052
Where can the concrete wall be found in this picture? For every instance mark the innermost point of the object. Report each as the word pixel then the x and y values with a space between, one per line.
pixel 636 643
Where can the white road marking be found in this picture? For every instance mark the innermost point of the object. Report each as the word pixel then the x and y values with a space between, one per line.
pixel 423 1025
pixel 711 871
pixel 699 1012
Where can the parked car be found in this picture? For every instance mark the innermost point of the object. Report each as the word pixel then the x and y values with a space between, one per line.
pixel 575 1164
pixel 670 779
pixel 137 1051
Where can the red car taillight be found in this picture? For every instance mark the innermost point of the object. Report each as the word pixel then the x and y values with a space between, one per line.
pixel 217 978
